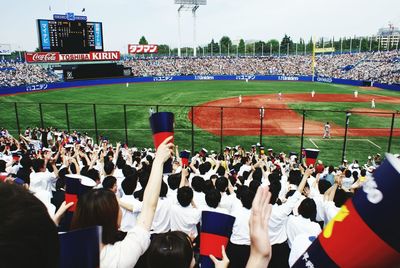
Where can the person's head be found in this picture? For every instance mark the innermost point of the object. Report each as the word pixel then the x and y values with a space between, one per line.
pixel 221 171
pixel 363 172
pixel 2 166
pixel 185 196
pixel 253 185
pixel 340 197
pixel 331 169
pixel 208 185
pixel 109 167
pixel 38 165
pixel 174 180
pixel 355 175
pixel 308 209
pixel 172 249
pixel 257 174
pixel 246 197
pixel 128 185
pixel 295 177
pixel 22 245
pixel 274 188
pixel 323 186
pixel 221 184
pixel 110 183
pixel 213 197
pixel 204 168
pixel 163 189
pixel 198 183
pixel 347 173
pixel 98 207
pixel 94 175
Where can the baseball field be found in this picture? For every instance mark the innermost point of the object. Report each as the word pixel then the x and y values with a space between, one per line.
pixel 218 118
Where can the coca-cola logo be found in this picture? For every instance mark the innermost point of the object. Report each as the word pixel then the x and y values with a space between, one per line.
pixel 44 57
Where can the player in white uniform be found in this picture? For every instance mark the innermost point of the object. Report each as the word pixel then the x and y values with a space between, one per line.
pixel 373 103
pixel 240 99
pixel 247 80
pixel 279 95
pixel 262 112
pixel 327 130
pixel 312 94
pixel 127 84
pixel 355 94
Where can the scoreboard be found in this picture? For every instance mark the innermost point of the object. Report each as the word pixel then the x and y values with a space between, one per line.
pixel 70 36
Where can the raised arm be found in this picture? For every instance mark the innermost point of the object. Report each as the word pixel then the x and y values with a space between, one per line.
pixel 150 197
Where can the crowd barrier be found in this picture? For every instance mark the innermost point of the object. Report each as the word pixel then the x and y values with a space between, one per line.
pixel 94 82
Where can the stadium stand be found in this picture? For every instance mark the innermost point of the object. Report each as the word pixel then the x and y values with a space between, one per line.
pixel 383 67
pixel 304 199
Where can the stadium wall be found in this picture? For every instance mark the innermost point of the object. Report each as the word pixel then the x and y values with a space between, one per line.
pixel 94 82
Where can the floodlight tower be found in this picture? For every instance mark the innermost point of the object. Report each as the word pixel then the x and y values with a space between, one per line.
pixel 188 5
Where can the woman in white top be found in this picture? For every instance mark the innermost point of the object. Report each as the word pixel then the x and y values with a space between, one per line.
pixel 100 207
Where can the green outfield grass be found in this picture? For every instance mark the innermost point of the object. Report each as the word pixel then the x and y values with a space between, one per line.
pixel 139 97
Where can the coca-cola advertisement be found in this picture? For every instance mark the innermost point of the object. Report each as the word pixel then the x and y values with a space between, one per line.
pixel 35 57
pixel 32 57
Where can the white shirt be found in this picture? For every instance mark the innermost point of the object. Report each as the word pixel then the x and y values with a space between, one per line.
pixel 244 168
pixel 185 219
pixel 278 218
pixel 125 253
pixel 330 211
pixel 298 225
pixel 129 218
pixel 43 181
pixel 240 232
pixel 226 202
pixel 161 221
pixel 299 246
pixel 199 199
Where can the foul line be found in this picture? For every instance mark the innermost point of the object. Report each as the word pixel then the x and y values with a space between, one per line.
pixel 313 143
pixel 367 140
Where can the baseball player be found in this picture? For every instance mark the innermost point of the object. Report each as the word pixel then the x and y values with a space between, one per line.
pixel 355 94
pixel 240 99
pixel 373 103
pixel 312 94
pixel 327 131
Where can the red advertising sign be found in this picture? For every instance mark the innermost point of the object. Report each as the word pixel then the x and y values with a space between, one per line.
pixel 32 57
pixel 142 49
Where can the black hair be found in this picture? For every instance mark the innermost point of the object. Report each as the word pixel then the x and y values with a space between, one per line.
pixel 36 246
pixel 257 174
pixel 355 175
pixel 254 184
pixel 295 177
pixel 308 209
pixel 347 173
pixel 221 171
pixel 340 197
pixel 37 164
pixel 163 189
pixel 213 197
pixel 185 196
pixel 221 184
pixel 204 168
pixel 198 183
pixel 128 185
pixel 363 173
pixel 108 167
pixel 172 249
pixel 274 188
pixel 174 181
pixel 2 166
pixel 247 197
pixel 323 186
pixel 208 186
pixel 109 182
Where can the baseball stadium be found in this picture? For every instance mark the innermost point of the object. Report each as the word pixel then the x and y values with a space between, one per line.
pixel 283 151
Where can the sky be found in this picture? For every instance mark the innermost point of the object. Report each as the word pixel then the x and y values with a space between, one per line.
pixel 125 21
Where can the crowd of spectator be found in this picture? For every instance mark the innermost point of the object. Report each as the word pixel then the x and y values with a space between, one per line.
pixel 383 67
pixel 144 203
pixel 17 73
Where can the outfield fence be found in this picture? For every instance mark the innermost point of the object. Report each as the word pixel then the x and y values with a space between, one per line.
pixel 353 134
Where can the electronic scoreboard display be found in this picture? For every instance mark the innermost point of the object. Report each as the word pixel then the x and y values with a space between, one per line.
pixel 70 36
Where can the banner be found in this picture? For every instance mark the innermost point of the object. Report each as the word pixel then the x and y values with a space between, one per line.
pixel 33 57
pixel 325 50
pixel 5 49
pixel 142 49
